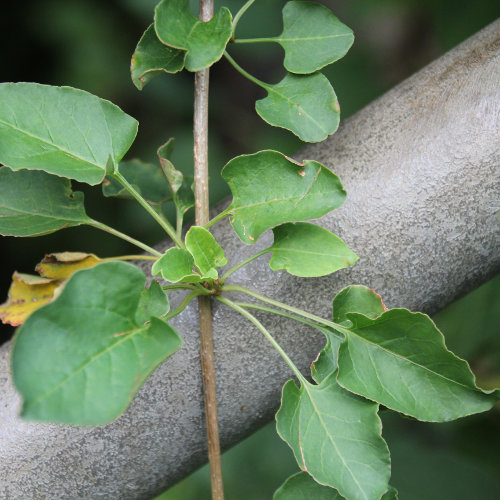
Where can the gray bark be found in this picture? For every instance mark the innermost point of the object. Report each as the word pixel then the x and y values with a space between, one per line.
pixel 420 166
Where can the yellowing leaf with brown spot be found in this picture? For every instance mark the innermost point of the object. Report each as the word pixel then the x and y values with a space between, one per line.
pixel 63 265
pixel 26 294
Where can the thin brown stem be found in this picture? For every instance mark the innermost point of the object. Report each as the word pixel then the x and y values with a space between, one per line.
pixel 200 129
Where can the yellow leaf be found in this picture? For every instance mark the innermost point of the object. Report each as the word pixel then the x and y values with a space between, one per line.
pixel 26 294
pixel 63 265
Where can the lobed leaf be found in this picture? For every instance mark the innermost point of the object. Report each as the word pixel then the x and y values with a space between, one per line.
pixel 312 37
pixel 62 130
pixel 207 253
pixel 151 58
pixel 176 265
pixel 304 104
pixel 302 486
pixel 81 359
pixel 27 293
pixel 399 359
pixel 147 178
pixel 35 203
pixel 336 438
pixel 179 28
pixel 304 249
pixel 270 189
pixel 64 264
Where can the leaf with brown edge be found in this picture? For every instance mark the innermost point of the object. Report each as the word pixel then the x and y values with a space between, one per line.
pixel 26 294
pixel 62 265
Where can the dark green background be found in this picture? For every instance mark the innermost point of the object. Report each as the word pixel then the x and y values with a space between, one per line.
pixel 88 44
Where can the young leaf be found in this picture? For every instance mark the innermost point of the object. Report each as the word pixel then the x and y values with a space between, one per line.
pixel 176 265
pixel 151 58
pixel 153 302
pixel 304 249
pixel 270 189
pixel 62 265
pixel 359 299
pixel 35 203
pixel 207 253
pixel 302 486
pixel 147 178
pixel 26 294
pixel 399 359
pixel 312 37
pixel 62 130
pixel 81 359
pixel 178 27
pixel 336 438
pixel 304 104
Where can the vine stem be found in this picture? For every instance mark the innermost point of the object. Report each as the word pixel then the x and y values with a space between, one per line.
pixel 243 263
pixel 243 9
pixel 266 333
pixel 238 68
pixel 123 236
pixel 200 132
pixel 218 217
pixel 156 216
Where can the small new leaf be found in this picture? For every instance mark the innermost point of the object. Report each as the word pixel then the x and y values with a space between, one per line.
pixel 207 253
pixel 399 359
pixel 81 359
pixel 336 438
pixel 35 203
pixel 27 293
pixel 312 37
pixel 179 28
pixel 304 104
pixel 151 58
pixel 270 189
pixel 61 130
pixel 148 179
pixel 307 250
pixel 153 302
pixel 176 265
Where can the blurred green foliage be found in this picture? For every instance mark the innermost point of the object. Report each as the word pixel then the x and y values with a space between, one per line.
pixel 88 44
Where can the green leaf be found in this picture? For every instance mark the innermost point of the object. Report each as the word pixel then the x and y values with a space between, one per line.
pixel 178 27
pixel 147 178
pixel 390 494
pixel 61 130
pixel 207 253
pixel 304 104
pixel 81 359
pixel 304 249
pixel 399 359
pixel 326 362
pixel 312 37
pixel 176 265
pixel 302 486
pixel 35 203
pixel 179 183
pixel 336 438
pixel 270 189
pixel 359 299
pixel 151 58
pixel 153 302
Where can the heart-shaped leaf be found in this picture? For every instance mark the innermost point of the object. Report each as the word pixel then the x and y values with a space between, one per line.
pixel 207 253
pixel 336 438
pixel 62 130
pixel 312 37
pixel 153 302
pixel 81 359
pixel 178 27
pixel 358 299
pixel 34 203
pixel 304 249
pixel 148 179
pixel 151 58
pixel 27 293
pixel 304 104
pixel 176 265
pixel 399 359
pixel 302 486
pixel 270 189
